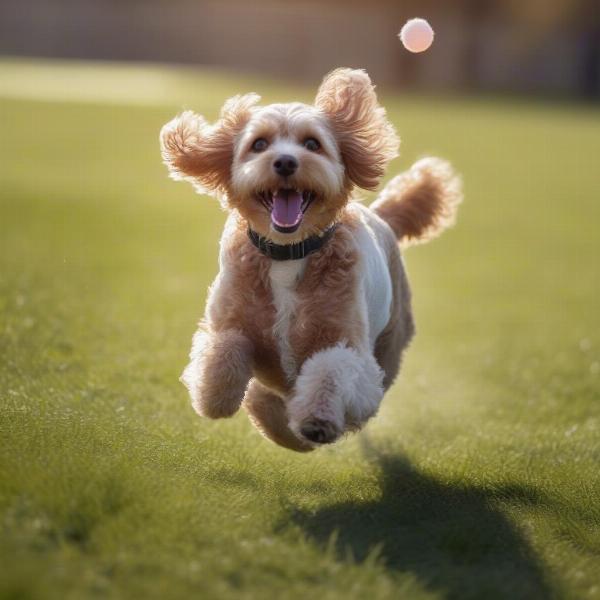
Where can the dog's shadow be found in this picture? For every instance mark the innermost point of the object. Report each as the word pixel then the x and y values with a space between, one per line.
pixel 453 538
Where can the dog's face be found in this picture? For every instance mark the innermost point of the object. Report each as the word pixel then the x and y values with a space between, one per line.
pixel 287 173
pixel 288 169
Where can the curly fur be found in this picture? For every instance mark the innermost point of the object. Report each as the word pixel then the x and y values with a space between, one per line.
pixel 419 204
pixel 366 138
pixel 308 347
pixel 219 371
pixel 267 412
pixel 196 151
pixel 338 385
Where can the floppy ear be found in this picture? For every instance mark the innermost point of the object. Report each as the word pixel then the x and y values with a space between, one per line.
pixel 367 140
pixel 201 153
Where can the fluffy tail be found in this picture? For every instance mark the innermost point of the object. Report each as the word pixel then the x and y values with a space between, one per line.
pixel 421 202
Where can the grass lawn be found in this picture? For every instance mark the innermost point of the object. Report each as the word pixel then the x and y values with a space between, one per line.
pixel 480 478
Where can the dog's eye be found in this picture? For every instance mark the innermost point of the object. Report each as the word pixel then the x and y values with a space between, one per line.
pixel 260 145
pixel 311 144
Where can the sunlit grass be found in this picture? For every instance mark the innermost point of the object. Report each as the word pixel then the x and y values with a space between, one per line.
pixel 479 479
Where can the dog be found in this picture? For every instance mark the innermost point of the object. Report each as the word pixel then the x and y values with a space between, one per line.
pixel 308 318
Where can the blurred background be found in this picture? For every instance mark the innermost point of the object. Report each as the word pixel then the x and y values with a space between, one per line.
pixel 532 46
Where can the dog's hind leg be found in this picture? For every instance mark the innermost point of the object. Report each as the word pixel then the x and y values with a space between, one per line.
pixel 396 336
pixel 266 410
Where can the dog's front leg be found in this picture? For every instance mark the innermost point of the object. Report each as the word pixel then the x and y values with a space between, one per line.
pixel 219 371
pixel 338 389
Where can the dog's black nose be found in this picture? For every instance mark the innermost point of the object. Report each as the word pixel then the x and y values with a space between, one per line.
pixel 285 165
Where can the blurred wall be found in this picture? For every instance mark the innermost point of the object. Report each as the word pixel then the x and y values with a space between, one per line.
pixel 480 44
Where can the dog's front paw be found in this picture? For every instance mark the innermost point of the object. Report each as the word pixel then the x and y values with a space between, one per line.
pixel 338 390
pixel 218 373
pixel 319 431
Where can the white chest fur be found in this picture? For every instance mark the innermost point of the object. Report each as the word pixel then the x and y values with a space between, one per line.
pixel 284 277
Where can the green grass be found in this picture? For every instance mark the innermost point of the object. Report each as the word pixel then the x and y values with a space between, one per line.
pixel 479 478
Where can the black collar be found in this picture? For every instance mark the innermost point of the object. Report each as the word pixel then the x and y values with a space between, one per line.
pixel 290 251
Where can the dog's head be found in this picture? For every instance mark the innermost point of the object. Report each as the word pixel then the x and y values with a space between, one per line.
pixel 288 169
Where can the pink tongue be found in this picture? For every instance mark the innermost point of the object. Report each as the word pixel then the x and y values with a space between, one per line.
pixel 287 207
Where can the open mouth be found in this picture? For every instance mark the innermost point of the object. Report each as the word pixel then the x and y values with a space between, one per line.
pixel 287 207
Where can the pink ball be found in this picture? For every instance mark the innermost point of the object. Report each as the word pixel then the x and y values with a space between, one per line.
pixel 416 35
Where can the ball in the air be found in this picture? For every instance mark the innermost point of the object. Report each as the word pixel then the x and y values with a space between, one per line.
pixel 416 35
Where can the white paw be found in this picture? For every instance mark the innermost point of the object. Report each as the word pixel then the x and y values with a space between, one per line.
pixel 338 390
